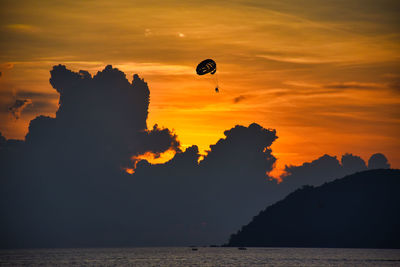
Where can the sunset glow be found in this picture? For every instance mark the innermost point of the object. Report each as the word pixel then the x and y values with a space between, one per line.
pixel 129 170
pixel 327 83
pixel 151 158
pixel 210 128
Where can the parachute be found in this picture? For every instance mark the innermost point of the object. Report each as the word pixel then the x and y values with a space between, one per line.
pixel 208 66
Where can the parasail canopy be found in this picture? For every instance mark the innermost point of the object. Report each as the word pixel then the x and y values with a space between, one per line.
pixel 206 66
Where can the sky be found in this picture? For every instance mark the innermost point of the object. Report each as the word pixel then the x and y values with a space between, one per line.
pixel 326 77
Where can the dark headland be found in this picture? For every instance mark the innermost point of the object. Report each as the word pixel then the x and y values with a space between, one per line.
pixel 358 211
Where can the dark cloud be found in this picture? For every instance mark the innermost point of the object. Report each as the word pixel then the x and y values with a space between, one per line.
pixel 378 161
pixel 158 140
pixel 108 113
pixel 65 184
pixel 352 164
pixel 239 99
pixel 39 106
pixel 322 170
pixel 242 145
pixel 209 199
pixel 18 106
pixel 28 102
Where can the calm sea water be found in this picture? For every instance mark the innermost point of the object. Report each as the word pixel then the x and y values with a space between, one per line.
pixel 202 257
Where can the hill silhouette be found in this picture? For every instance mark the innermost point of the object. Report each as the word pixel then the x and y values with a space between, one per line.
pixel 359 211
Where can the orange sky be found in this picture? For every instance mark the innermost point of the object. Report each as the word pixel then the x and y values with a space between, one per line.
pixel 326 77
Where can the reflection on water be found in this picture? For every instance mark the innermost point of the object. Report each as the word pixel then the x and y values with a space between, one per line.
pixel 181 256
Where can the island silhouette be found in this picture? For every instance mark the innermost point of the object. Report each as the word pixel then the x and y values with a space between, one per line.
pixel 358 211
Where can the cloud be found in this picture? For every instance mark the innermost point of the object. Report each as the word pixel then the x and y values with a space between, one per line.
pixel 108 107
pixel 301 84
pixel 154 68
pixel 378 161
pixel 321 170
pixel 297 59
pixel 19 105
pixel 208 191
pixel 29 102
pixel 148 32
pixel 351 164
pixel 7 65
pixel 81 178
pixel 239 99
pixel 354 85
pixel 242 145
pixel 22 28
pixel 87 161
pixel 328 168
pixel 36 95
pixel 159 140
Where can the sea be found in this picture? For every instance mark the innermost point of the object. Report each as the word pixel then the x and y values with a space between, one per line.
pixel 200 256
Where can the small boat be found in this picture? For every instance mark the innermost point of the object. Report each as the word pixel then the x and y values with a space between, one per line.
pixel 242 248
pixel 194 249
